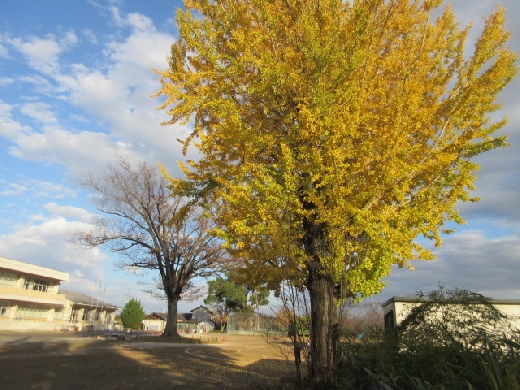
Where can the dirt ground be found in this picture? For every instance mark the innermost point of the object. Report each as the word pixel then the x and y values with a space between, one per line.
pixel 79 361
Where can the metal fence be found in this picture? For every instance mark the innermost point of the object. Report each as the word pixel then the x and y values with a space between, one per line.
pixel 251 323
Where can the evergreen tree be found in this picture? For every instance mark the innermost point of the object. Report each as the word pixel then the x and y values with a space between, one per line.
pixel 132 314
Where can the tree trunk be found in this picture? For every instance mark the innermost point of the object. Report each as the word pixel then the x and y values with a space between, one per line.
pixel 324 323
pixel 321 288
pixel 171 322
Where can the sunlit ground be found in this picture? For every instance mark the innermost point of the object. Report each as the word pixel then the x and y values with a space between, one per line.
pixel 237 363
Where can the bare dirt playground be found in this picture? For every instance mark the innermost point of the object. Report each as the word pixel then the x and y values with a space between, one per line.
pixel 80 361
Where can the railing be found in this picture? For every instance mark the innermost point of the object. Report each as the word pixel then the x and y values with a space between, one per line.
pixel 35 294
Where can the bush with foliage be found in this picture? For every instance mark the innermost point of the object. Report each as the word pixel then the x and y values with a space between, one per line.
pixel 454 339
pixel 132 314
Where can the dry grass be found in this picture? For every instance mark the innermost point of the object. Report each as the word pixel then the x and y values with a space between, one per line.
pixel 239 362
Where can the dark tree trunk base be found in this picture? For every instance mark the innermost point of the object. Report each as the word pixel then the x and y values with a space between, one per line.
pixel 324 328
pixel 170 329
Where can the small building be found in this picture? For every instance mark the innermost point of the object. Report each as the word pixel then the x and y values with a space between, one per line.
pixel 30 299
pixel 157 322
pixel 202 315
pixel 197 320
pixel 397 308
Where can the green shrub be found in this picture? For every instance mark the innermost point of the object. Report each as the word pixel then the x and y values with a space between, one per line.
pixel 455 339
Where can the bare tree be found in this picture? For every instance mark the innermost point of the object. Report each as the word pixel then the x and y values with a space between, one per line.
pixel 151 228
pixel 295 316
pixel 220 315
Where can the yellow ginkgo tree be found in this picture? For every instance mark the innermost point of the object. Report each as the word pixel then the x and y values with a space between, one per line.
pixel 333 133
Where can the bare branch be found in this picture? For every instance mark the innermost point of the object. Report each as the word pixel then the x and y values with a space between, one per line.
pixel 151 229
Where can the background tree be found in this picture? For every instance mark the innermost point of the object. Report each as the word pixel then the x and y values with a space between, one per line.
pixel 231 295
pixel 294 317
pixel 333 133
pixel 151 230
pixel 226 296
pixel 132 314
pixel 236 296
pixel 258 297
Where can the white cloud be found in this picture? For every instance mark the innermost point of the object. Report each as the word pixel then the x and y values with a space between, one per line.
pixel 45 189
pixel 116 95
pixel 135 21
pixel 498 180
pixel 71 212
pixel 78 152
pixel 39 189
pixel 10 128
pixel 95 91
pixel 39 111
pixel 40 84
pixel 116 16
pixel 3 51
pixel 47 244
pixel 79 118
pixel 42 53
pixel 91 271
pixel 140 22
pixel 128 55
pixel 90 35
pixel 6 81
pixel 467 260
pixel 14 189
pixel 68 40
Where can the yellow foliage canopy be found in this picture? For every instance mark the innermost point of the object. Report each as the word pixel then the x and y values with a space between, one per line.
pixel 334 133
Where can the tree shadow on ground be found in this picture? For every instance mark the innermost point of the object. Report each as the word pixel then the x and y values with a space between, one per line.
pixel 116 365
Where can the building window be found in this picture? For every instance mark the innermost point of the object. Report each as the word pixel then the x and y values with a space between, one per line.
pixel 86 315
pixel 37 284
pixel 41 285
pixel 73 315
pixel 7 279
pixel 32 311
pixel 389 321
pixel 5 308
pixel 58 314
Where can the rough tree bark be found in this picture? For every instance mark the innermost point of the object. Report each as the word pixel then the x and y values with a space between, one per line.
pixel 324 319
pixel 171 323
pixel 321 287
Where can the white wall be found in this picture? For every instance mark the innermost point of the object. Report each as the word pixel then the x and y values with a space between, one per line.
pixel 401 310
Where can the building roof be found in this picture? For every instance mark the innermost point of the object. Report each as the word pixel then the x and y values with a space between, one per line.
pixel 32 269
pixel 203 308
pixel 181 317
pixel 155 316
pixel 85 300
pixel 418 299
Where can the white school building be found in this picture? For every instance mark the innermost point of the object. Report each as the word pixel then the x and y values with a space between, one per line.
pixel 30 299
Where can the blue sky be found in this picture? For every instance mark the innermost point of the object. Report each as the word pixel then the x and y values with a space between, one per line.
pixel 75 86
